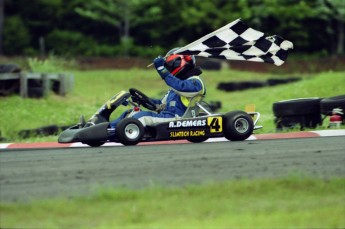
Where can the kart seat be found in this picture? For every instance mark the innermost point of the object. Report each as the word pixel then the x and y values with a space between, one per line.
pixel 193 108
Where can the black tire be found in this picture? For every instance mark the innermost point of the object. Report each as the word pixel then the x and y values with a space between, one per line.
pixel 274 82
pixel 129 131
pixel 35 92
pixel 240 86
pixel 197 139
pixel 303 106
pixel 9 68
pixel 8 87
pixel 328 104
pixel 94 143
pixel 237 126
pixel 303 121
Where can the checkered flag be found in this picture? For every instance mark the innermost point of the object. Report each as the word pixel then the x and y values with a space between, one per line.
pixel 237 41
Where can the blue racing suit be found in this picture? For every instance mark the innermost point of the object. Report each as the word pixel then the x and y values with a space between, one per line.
pixel 173 104
pixel 176 100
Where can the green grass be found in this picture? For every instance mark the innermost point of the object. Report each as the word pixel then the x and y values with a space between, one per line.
pixel 293 202
pixel 93 88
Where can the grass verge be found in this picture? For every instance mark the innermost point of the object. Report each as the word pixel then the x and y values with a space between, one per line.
pixel 293 202
pixel 94 88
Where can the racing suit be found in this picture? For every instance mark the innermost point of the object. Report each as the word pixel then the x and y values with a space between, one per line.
pixel 174 103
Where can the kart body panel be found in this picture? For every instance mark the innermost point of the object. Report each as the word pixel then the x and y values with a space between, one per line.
pixel 197 125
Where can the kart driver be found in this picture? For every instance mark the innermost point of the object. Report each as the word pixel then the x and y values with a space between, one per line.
pixel 181 74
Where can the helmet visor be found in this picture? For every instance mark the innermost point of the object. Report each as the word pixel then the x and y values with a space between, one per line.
pixel 175 63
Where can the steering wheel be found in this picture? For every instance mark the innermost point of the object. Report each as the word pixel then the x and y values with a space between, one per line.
pixel 142 99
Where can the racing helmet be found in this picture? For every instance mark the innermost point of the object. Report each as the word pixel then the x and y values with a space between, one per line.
pixel 178 64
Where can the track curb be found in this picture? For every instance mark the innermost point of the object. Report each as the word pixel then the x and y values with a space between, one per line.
pixel 303 134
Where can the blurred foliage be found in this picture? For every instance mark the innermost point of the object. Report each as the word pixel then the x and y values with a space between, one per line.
pixel 70 43
pixel 52 64
pixel 17 35
pixel 150 27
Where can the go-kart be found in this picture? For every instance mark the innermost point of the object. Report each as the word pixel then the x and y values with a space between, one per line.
pixel 196 125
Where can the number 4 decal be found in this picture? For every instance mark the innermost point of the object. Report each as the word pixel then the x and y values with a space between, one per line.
pixel 215 124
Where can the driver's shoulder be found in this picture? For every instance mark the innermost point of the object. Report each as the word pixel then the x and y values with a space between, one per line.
pixel 198 80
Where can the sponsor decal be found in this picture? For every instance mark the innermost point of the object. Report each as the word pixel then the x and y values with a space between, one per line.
pixel 172 103
pixel 187 123
pixel 190 133
pixel 215 124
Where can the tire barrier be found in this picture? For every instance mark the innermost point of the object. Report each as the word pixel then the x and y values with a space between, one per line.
pixel 307 112
pixel 273 82
pixel 328 104
pixel 9 86
pixel 244 85
pixel 304 112
pixel 9 68
pixel 293 107
pixel 32 85
pixel 240 86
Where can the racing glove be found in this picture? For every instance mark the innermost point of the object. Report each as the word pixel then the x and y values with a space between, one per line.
pixel 160 107
pixel 161 69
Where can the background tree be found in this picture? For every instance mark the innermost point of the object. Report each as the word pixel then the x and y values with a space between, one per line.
pixel 151 27
pixel 337 12
pixel 117 13
pixel 2 5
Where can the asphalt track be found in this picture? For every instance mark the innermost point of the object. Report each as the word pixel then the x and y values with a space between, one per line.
pixel 28 174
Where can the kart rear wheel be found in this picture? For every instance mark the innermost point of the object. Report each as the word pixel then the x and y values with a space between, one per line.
pixel 238 126
pixel 129 131
pixel 197 139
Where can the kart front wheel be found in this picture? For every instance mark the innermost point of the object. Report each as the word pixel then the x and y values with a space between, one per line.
pixel 94 143
pixel 238 126
pixel 129 131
